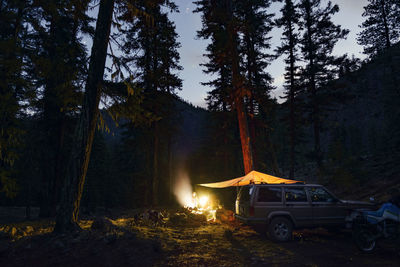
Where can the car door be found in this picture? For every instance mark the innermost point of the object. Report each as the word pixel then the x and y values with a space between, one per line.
pixel 327 209
pixel 298 205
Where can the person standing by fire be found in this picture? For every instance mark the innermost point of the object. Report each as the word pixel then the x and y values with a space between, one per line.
pixel 195 200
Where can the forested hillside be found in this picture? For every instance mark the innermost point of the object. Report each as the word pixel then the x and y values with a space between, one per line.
pixel 360 139
pixel 362 132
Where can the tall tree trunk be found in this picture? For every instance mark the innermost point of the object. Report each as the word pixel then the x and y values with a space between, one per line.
pixel 29 189
pixel 239 92
pixel 291 101
pixel 67 215
pixel 54 126
pixel 272 151
pixel 226 161
pixel 252 130
pixel 44 209
pixel 148 189
pixel 170 180
pixel 226 119
pixel 155 165
pixel 50 113
pixel 313 90
pixel 252 82
pixel 58 173
pixel 48 152
pixel 59 168
pixel 244 136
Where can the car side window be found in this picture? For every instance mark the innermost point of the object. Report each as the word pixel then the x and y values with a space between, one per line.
pixel 295 194
pixel 319 194
pixel 269 194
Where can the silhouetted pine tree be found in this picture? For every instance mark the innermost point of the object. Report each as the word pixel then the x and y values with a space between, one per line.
pixel 214 28
pixel 349 65
pixel 289 47
pixel 381 29
pixel 71 193
pixel 317 43
pixel 151 51
pixel 98 175
pixel 218 99
pixel 15 86
pixel 256 26
pixel 237 31
pixel 60 64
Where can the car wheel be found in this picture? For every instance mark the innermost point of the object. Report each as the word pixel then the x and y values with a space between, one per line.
pixel 364 240
pixel 280 229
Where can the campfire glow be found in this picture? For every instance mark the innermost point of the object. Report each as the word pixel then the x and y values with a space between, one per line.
pixel 202 204
pixel 203 201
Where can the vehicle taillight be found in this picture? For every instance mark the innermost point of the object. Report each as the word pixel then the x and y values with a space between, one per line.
pixel 251 211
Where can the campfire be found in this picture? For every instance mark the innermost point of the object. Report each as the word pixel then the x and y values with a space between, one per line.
pixel 197 204
pixel 202 205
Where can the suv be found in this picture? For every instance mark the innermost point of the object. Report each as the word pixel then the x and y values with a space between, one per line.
pixel 282 207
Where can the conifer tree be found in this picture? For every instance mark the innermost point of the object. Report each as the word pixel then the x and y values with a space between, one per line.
pixel 222 24
pixel 155 65
pixel 214 28
pixel 319 37
pixel 71 193
pixel 60 64
pixel 289 47
pixel 218 99
pixel 381 29
pixel 256 26
pixel 15 86
pixel 77 164
pixel 150 47
pixel 239 90
pixel 98 175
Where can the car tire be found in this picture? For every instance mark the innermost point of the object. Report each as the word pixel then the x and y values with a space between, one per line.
pixel 280 229
pixel 364 240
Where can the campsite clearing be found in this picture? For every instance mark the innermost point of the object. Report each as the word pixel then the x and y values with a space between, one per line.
pixel 183 243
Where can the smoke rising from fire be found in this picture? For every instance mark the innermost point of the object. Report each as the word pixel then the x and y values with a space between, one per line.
pixel 183 189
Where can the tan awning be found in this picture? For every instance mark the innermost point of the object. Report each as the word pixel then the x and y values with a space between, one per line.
pixel 252 177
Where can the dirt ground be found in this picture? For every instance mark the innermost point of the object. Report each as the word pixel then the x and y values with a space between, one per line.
pixel 125 241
